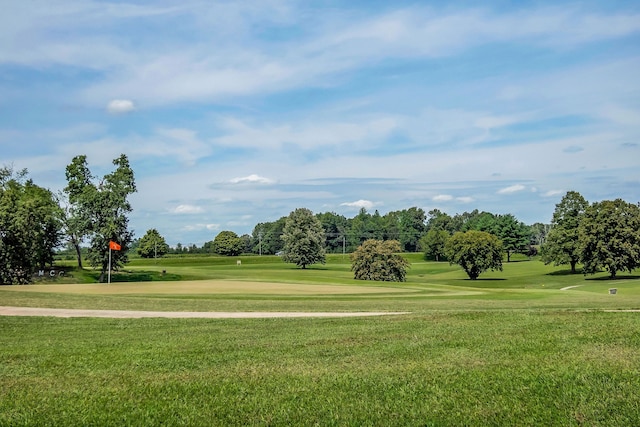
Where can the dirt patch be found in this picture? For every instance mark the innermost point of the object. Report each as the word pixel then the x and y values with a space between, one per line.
pixel 128 314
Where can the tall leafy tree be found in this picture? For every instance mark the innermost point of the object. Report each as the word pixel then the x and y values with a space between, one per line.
pixel 30 227
pixel 515 235
pixel 609 235
pixel 152 245
pixel 379 260
pixel 303 238
pixel 103 207
pixel 479 221
pixel 475 251
pixel 433 244
pixel 562 243
pixel 227 243
pixel 438 220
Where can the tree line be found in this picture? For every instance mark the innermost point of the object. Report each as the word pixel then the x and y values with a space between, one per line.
pixel 93 211
pixel 412 228
pixel 88 214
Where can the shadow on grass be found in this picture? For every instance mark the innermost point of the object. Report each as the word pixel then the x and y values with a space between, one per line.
pixel 483 279
pixel 564 273
pixel 138 276
pixel 609 279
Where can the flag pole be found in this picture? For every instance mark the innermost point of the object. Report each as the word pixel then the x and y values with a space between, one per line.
pixel 109 282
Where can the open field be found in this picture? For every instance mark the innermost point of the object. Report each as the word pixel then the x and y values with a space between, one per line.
pixel 510 349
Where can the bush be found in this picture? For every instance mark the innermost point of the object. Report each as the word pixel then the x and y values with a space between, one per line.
pixel 378 260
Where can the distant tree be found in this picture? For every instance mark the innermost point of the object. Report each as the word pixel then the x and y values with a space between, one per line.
pixel 247 243
pixel 433 244
pixel 479 221
pixel 609 235
pixel 437 220
pixel 475 252
pixel 562 243
pixel 303 238
pixel 102 208
pixel 515 235
pixel 267 237
pixel 227 243
pixel 30 227
pixel 409 226
pixel 539 233
pixel 152 245
pixel 364 226
pixel 379 260
pixel 335 228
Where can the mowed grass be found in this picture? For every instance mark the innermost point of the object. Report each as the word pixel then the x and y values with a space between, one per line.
pixel 512 349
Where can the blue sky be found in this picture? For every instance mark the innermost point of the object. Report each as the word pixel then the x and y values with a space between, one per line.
pixel 237 112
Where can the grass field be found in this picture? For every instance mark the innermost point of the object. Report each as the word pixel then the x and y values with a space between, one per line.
pixel 509 349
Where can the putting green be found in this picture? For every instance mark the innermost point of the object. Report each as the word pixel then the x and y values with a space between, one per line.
pixel 203 287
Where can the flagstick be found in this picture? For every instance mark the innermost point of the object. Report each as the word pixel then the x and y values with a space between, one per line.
pixel 109 282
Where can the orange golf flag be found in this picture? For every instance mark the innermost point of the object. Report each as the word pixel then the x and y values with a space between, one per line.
pixel 113 245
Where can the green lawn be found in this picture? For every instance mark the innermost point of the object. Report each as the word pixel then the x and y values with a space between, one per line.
pixel 512 349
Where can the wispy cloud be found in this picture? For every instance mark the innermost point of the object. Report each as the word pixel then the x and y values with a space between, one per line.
pixel 465 199
pixel 442 198
pixel 187 209
pixel 367 204
pixel 511 189
pixel 120 106
pixel 552 193
pixel 251 179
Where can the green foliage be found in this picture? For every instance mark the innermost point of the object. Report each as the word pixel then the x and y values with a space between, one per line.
pixel 227 243
pixel 475 252
pixel 335 227
pixel 100 210
pixel 152 245
pixel 539 233
pixel 562 244
pixel 378 260
pixel 515 235
pixel 407 226
pixel 30 227
pixel 303 238
pixel 609 235
pixel 438 220
pixel 267 237
pixel 366 226
pixel 433 244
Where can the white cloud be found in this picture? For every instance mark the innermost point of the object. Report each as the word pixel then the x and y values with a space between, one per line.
pixel 442 198
pixel 120 106
pixel 512 189
pixel 251 179
pixel 552 193
pixel 465 199
pixel 199 227
pixel 187 209
pixel 367 204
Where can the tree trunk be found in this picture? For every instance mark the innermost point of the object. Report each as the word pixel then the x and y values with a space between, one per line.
pixel 78 254
pixel 573 267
